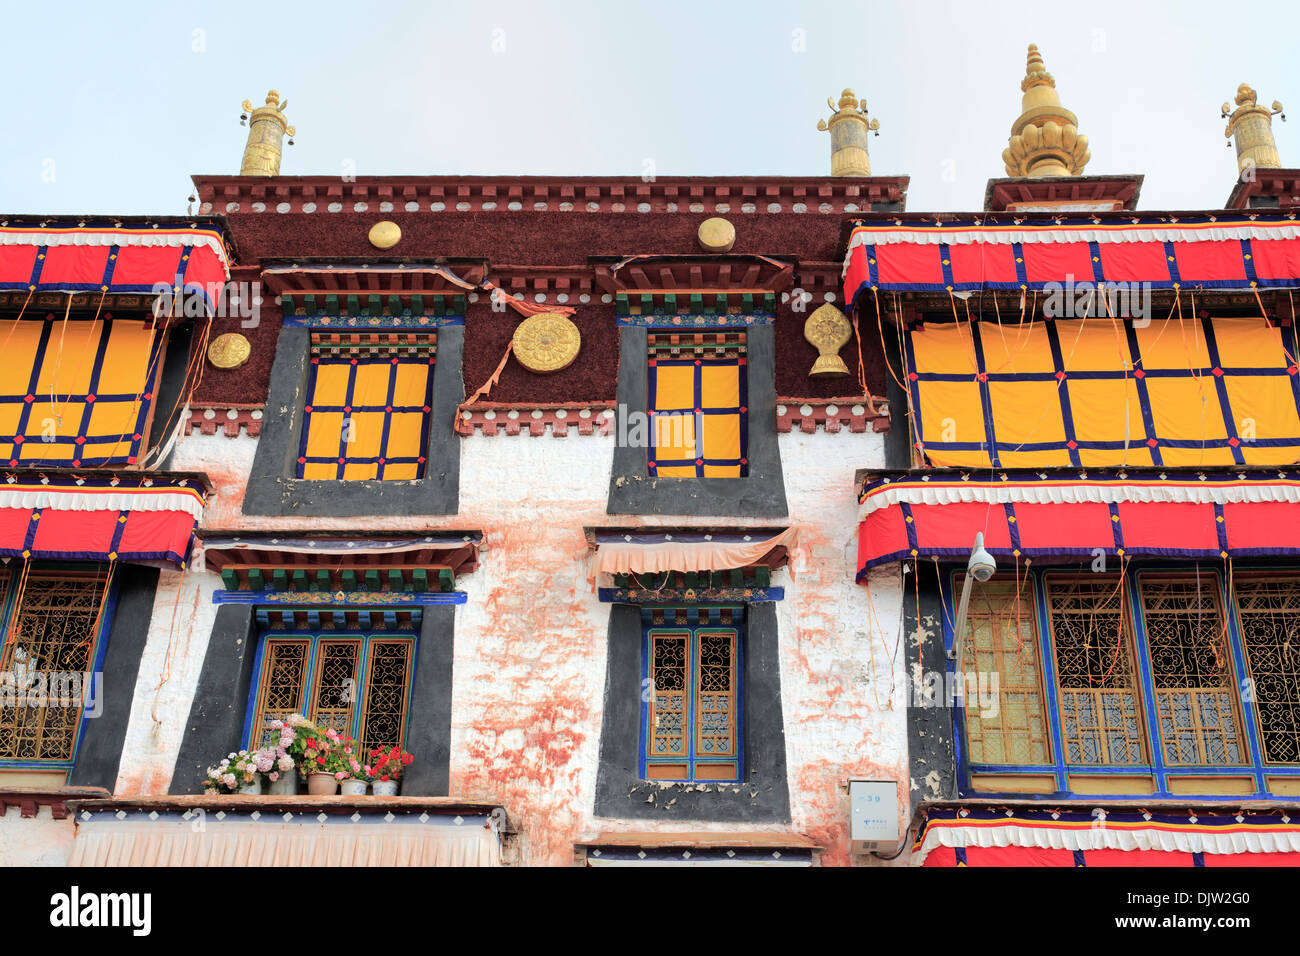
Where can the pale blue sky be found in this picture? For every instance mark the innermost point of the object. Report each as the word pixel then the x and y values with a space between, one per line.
pixel 119 103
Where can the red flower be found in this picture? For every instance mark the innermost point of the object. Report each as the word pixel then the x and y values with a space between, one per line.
pixel 406 759
pixel 321 761
pixel 384 778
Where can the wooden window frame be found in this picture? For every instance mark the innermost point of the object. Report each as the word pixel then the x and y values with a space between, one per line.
pixel 308 688
pixel 691 719
pixel 84 571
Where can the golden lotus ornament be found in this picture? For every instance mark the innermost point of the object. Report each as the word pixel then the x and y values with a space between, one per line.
pixel 547 342
pixel 828 331
pixel 229 351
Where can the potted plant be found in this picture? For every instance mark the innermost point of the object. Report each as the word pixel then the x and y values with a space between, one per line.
pixel 385 770
pixel 281 774
pixel 354 780
pixel 311 750
pixel 237 773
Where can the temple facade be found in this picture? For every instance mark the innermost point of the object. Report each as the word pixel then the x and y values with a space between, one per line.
pixel 726 520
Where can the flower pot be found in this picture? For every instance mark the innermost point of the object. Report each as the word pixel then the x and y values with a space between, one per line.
pixel 354 788
pixel 286 786
pixel 322 784
pixel 252 788
pixel 384 788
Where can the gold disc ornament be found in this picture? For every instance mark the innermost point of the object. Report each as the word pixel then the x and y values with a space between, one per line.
pixel 385 234
pixel 828 330
pixel 229 351
pixel 547 342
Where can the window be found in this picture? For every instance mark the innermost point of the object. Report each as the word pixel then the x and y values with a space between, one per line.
pixel 698 405
pixel 54 626
pixel 1268 607
pixel 1000 640
pixel 77 392
pixel 1152 682
pixel 1187 638
pixel 369 397
pixel 359 684
pixel 691 702
pixel 1100 715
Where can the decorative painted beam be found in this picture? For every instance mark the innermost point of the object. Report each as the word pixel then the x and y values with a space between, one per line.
pixel 346 598
pixel 747 595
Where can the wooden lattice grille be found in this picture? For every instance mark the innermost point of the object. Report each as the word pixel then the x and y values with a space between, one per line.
pixel 50 643
pixel 1101 717
pixel 1269 611
pixel 692 705
pixel 359 686
pixel 1001 640
pixel 1191 668
pixel 388 677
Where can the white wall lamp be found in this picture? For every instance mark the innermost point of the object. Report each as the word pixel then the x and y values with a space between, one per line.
pixel 980 567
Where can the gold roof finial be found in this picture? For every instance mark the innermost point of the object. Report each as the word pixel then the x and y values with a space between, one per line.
pixel 849 127
pixel 267 126
pixel 1045 140
pixel 1251 126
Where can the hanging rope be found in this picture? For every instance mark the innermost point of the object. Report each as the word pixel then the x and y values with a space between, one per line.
pixel 463 427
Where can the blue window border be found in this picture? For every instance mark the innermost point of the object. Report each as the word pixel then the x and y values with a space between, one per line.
pixel 248 737
pixel 694 625
pixel 1159 771
pixel 101 649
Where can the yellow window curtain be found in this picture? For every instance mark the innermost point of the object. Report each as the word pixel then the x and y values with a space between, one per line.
pixel 76 391
pixel 699 417
pixel 367 410
pixel 1194 391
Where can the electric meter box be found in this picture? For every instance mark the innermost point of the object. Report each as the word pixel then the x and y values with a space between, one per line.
pixel 873 816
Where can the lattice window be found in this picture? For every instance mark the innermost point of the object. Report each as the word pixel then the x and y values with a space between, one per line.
pixel 1187 639
pixel 48 659
pixel 1101 714
pixel 369 398
pixel 1268 609
pixel 1001 640
pixel 698 405
pixel 77 392
pixel 359 685
pixel 692 710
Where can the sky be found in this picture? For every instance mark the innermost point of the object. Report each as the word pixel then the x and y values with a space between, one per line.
pixel 112 107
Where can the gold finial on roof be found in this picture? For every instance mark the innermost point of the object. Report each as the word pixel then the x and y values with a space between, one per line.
pixel 849 128
pixel 1045 140
pixel 266 128
pixel 1251 127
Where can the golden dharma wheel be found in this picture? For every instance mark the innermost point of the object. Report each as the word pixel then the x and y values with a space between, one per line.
pixel 547 342
pixel 385 234
pixel 229 351
pixel 828 330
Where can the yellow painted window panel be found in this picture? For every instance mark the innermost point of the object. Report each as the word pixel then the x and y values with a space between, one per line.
pixel 126 360
pixel 1173 344
pixel 1186 409
pixel 412 385
pixel 1249 343
pixel 720 471
pixel 1020 459
pixel 324 434
pixel 1025 412
pixel 1098 407
pixel 720 386
pixel 721 434
pixel 1264 404
pixel 957 401
pixel 674 436
pixel 674 387
pixel 367 433
pixel 1010 348
pixel 944 347
pixel 331 384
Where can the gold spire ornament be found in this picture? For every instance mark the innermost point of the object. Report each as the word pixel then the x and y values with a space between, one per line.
pixel 1045 140
pixel 1251 127
pixel 266 128
pixel 828 330
pixel 849 128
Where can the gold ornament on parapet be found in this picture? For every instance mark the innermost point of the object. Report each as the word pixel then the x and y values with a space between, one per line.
pixel 385 234
pixel 229 351
pixel 546 342
pixel 716 235
pixel 828 331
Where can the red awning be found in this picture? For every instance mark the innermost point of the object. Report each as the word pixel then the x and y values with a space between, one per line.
pixel 102 519
pixel 1003 251
pixel 89 257
pixel 981 835
pixel 1056 515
